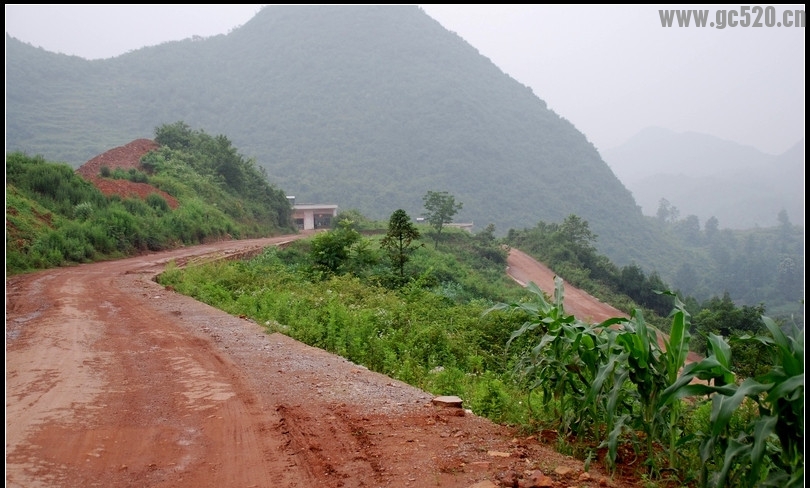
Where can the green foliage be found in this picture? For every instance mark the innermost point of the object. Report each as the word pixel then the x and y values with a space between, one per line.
pixel 567 346
pixel 492 398
pixel 158 203
pixel 568 249
pixel 83 211
pixel 398 242
pixel 765 449
pixel 667 212
pixel 440 208
pixel 763 268
pixel 779 395
pixel 610 381
pixel 131 174
pixel 25 220
pixel 221 196
pixel 754 266
pixel 54 186
pixel 576 233
pixel 719 316
pixel 359 221
pixel 629 287
pixel 464 269
pixel 331 250
pixel 219 164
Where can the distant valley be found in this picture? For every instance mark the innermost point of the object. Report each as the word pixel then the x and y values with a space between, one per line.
pixel 705 176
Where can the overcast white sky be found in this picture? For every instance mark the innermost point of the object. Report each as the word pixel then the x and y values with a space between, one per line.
pixel 611 71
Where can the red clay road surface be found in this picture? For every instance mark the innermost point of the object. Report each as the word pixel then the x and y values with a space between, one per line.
pixel 114 381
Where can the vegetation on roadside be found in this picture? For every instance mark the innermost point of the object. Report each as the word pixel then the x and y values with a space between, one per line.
pixel 759 267
pixel 55 217
pixel 456 325
pixel 612 384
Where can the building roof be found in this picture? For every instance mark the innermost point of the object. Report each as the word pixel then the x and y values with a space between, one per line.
pixel 313 206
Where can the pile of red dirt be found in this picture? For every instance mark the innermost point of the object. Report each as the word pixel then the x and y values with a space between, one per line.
pixel 124 157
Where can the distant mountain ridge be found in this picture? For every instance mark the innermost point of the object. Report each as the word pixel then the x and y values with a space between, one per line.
pixel 706 176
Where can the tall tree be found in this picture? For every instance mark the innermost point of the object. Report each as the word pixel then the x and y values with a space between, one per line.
pixel 398 242
pixel 690 230
pixel 785 228
pixel 576 232
pixel 440 208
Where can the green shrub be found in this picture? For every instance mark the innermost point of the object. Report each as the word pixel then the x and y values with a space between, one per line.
pixel 158 203
pixel 83 211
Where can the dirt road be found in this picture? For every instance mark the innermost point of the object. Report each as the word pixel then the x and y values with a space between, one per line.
pixel 113 381
pixel 524 269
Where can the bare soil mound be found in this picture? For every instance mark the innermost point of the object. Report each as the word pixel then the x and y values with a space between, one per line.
pixel 124 157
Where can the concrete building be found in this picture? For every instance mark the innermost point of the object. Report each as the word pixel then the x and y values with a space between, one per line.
pixel 311 216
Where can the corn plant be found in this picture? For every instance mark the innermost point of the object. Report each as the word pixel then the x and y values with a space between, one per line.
pixel 769 449
pixel 562 365
pixel 770 452
pixel 613 381
pixel 636 359
pixel 603 380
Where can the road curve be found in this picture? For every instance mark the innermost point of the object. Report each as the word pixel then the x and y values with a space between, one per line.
pixel 114 381
pixel 102 390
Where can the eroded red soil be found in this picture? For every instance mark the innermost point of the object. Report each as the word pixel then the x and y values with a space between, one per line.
pixel 125 157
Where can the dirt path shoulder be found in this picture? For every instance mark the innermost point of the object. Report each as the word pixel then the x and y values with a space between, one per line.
pixel 113 381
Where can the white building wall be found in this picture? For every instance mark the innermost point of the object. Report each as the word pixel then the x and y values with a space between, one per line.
pixel 309 220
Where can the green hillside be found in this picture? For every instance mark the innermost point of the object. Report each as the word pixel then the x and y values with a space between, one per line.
pixel 56 217
pixel 366 107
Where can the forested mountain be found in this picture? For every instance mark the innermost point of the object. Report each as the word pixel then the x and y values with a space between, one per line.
pixel 705 176
pixel 368 107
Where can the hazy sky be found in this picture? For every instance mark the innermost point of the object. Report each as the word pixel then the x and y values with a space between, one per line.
pixel 611 71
